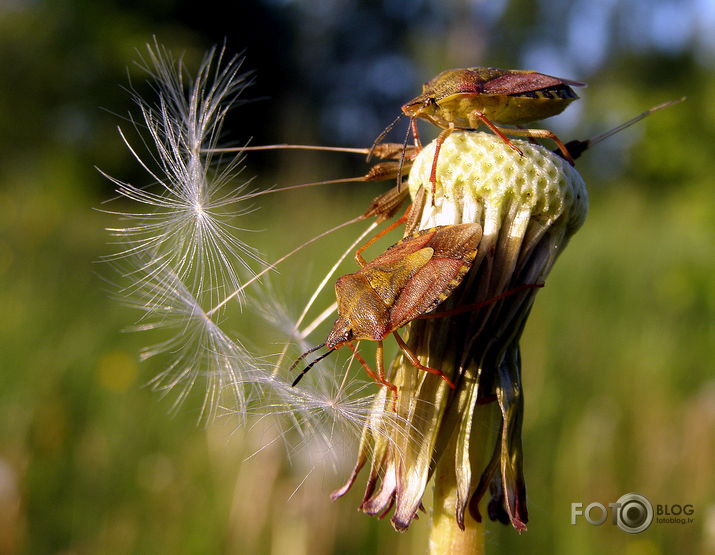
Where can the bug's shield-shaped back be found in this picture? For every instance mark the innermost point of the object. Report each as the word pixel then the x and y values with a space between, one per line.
pixel 407 280
pixel 515 82
pixel 389 277
pixel 366 297
pixel 454 248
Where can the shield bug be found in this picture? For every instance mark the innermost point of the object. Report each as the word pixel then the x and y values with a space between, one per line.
pixel 406 282
pixel 466 98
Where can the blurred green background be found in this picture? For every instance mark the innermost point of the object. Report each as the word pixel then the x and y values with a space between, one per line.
pixel 618 355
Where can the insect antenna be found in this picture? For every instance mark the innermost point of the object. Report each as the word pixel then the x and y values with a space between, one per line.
pixel 305 354
pixel 402 155
pixel 576 147
pixel 305 370
pixel 381 136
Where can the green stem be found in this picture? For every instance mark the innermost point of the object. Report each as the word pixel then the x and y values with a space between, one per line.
pixel 445 535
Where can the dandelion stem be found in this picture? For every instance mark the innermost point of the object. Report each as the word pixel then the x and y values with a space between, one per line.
pixel 445 535
pixel 290 147
pixel 304 186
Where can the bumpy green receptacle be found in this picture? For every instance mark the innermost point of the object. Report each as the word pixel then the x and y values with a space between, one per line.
pixel 478 172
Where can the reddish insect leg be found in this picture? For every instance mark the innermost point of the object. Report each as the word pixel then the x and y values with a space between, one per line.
pixel 475 306
pixel 415 134
pixel 532 140
pixel 358 253
pixel 477 116
pixel 542 134
pixel 437 147
pixel 380 359
pixel 412 357
pixel 363 363
pixel 380 376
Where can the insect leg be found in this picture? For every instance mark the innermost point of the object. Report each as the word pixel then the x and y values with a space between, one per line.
pixel 532 140
pixel 415 134
pixel 382 136
pixel 542 134
pixel 412 357
pixel 474 118
pixel 437 147
pixel 380 376
pixel 358 253
pixel 418 203
pixel 363 363
pixel 380 359
pixel 475 306
pixel 413 128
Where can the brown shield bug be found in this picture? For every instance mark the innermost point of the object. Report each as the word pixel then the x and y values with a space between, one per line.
pixel 465 98
pixel 406 282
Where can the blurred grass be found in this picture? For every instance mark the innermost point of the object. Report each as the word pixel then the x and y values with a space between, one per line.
pixel 618 354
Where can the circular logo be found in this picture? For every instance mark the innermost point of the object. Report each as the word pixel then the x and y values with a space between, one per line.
pixel 635 513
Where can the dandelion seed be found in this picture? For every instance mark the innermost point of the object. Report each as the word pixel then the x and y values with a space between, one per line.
pixel 184 260
pixel 187 223
pixel 327 415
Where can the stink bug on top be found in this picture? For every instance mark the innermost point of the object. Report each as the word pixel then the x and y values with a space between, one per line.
pixel 503 96
pixel 405 283
pixel 465 98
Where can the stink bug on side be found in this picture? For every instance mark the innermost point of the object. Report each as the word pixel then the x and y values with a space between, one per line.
pixel 406 282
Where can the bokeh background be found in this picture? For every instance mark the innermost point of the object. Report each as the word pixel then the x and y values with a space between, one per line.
pixel 618 354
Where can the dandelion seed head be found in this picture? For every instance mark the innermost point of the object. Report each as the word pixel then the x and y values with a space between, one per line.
pixel 477 175
pixel 185 218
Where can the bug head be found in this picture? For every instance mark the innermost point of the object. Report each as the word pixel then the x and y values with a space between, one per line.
pixel 419 106
pixel 341 333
